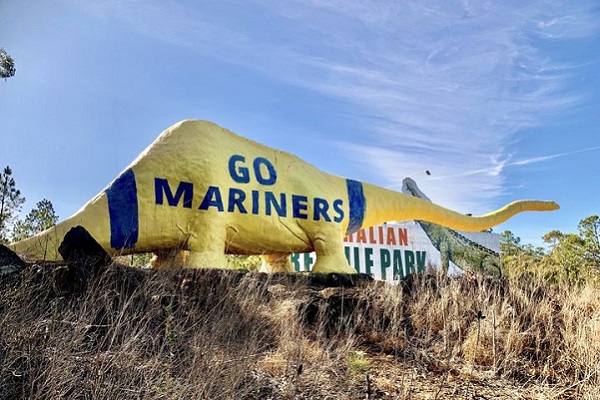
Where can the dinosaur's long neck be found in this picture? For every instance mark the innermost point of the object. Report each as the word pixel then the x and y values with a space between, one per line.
pixel 383 205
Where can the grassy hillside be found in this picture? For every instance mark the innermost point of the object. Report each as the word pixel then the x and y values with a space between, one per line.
pixel 209 334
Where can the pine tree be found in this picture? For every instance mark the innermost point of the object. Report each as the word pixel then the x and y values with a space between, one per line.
pixel 7 65
pixel 39 219
pixel 11 201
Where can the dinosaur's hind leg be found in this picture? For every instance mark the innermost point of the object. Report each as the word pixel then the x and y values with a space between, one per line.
pixel 207 246
pixel 207 258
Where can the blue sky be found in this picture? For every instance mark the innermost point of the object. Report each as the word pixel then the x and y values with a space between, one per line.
pixel 499 100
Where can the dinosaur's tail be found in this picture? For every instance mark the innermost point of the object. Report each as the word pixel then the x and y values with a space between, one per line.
pixel 44 246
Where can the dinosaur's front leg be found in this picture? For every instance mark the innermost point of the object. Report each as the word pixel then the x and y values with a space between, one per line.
pixel 330 254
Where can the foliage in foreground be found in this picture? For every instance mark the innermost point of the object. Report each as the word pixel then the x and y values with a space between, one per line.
pixel 573 258
pixel 210 334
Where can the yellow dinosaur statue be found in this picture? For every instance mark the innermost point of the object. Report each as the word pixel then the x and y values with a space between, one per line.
pixel 206 190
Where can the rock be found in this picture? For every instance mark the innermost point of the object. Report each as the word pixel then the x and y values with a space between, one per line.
pixel 79 247
pixel 9 261
pixel 84 255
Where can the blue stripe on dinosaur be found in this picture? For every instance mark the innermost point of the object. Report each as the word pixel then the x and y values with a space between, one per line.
pixel 357 204
pixel 123 211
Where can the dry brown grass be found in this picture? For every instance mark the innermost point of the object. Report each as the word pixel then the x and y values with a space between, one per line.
pixel 210 334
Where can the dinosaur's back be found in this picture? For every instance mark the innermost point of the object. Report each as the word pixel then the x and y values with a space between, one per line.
pixel 197 174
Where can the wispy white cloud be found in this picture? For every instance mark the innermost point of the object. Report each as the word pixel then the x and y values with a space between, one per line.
pixel 535 160
pixel 439 85
pixel 497 167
